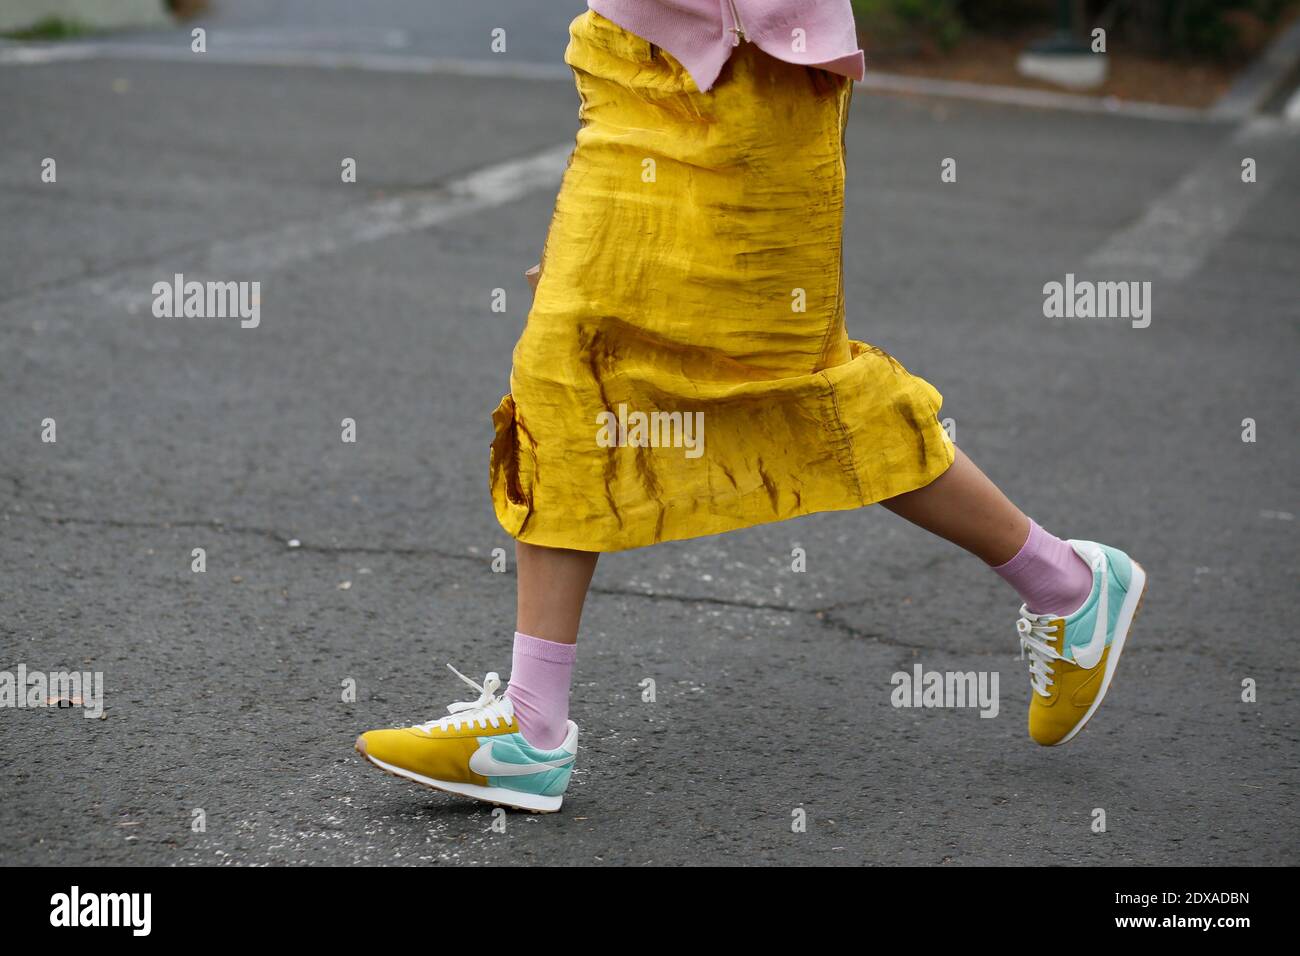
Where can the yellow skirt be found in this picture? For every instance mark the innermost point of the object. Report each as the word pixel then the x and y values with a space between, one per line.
pixel 685 368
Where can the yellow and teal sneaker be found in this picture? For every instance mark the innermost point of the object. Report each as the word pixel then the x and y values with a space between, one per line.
pixel 477 751
pixel 1072 659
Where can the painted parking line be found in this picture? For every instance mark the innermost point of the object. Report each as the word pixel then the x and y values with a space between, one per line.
pixel 130 290
pixel 39 55
pixel 1180 228
pixel 1291 112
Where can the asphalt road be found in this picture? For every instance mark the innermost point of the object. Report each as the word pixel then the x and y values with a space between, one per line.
pixel 223 689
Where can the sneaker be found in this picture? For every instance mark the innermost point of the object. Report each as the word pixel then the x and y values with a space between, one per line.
pixel 477 752
pixel 1072 659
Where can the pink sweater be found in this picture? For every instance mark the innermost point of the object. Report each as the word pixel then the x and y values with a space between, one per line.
pixel 701 34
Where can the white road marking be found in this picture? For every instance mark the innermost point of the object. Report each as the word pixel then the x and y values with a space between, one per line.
pixel 253 257
pixel 1181 228
pixel 37 55
pixel 1292 109
pixel 1171 239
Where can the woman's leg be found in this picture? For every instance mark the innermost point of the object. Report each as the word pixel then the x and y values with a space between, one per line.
pixel 552 588
pixel 552 585
pixel 965 507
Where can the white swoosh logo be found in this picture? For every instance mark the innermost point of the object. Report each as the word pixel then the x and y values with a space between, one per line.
pixel 482 762
pixel 1088 655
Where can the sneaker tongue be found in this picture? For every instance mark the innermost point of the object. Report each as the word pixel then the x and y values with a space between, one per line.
pixel 500 707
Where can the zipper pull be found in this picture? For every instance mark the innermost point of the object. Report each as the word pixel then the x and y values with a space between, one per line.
pixel 738 29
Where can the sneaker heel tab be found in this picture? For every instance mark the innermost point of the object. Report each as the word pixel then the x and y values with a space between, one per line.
pixel 1088 550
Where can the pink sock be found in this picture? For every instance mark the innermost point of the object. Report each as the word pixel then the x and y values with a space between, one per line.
pixel 1048 575
pixel 539 689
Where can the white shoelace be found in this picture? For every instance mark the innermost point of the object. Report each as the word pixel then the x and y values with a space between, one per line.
pixel 487 711
pixel 1035 632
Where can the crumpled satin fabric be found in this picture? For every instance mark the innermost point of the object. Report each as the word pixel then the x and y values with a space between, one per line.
pixel 693 266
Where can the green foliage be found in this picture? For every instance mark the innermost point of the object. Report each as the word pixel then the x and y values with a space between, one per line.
pixel 896 24
pixel 51 28
pixel 1218 28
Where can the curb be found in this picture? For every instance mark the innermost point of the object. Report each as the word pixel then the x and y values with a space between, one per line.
pixel 1036 99
pixel 1259 80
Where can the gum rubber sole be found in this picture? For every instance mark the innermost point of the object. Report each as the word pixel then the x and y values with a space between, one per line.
pixel 443 786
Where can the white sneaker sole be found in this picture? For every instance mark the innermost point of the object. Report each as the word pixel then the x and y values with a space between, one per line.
pixel 1128 610
pixel 514 799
